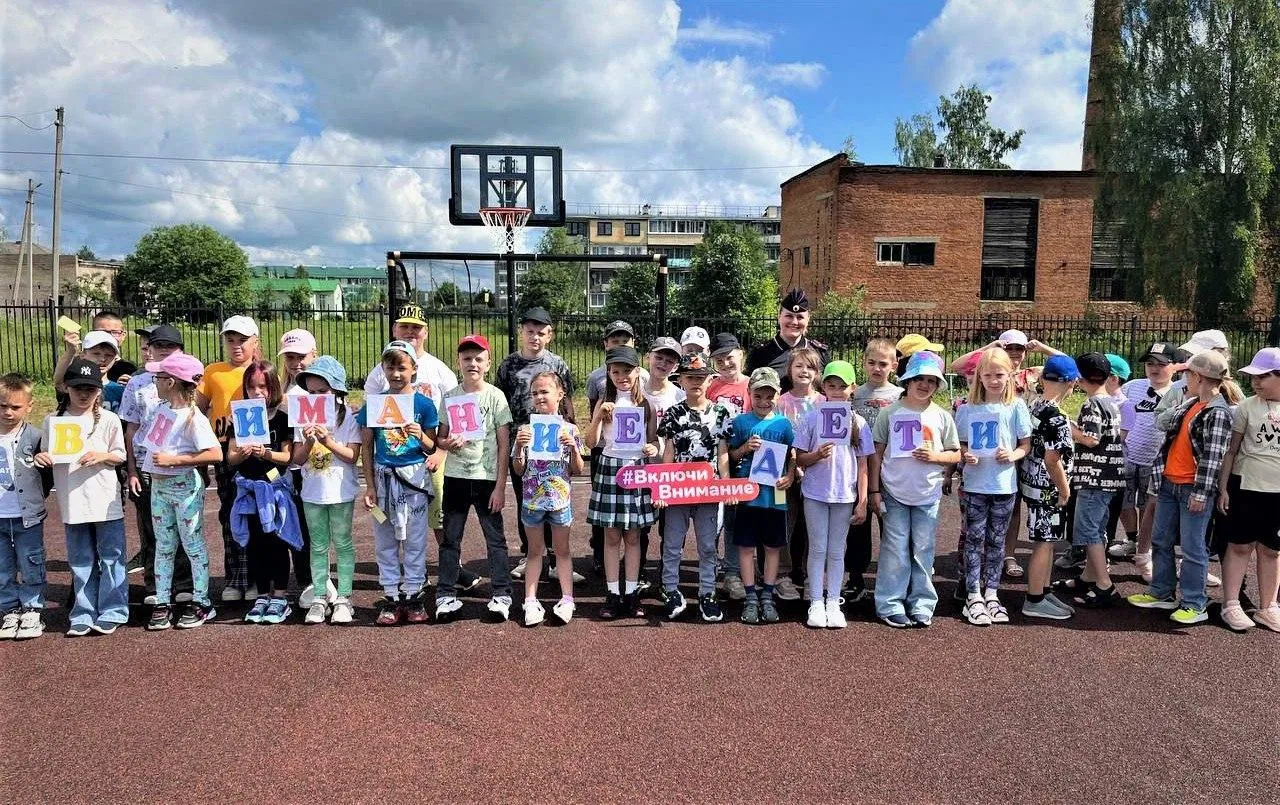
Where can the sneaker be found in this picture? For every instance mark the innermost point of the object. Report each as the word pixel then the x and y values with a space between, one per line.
pixel 645 585
pixel 897 620
pixel 136 565
pixel 445 607
pixel 30 624
pixel 257 611
pixel 415 608
pixel 1149 601
pixel 1069 561
pixel 195 615
pixel 709 609
pixel 343 612
pixel 631 605
pixel 661 597
pixel 997 612
pixel 835 616
pixel 184 598
pixel 577 577
pixel 232 594
pixel 769 610
pixel 1184 616
pixel 1235 619
pixel 674 605
pixel 517 572
pixel 390 611
pixel 817 615
pixel 78 630
pixel 1142 561
pixel 563 610
pixel 975 611
pixel 9 629
pixel 534 612
pixel 734 587
pixel 1268 618
pixel 922 621
pixel 751 610
pixel 1044 608
pixel 104 628
pixel 307 597
pixel 467 581
pixel 611 607
pixel 316 613
pixel 500 605
pixel 1121 549
pixel 150 599
pixel 159 620
pixel 1211 580
pixel 786 590
pixel 1059 603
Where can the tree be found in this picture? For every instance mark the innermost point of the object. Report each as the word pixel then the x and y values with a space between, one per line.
pixel 86 253
pixel 264 304
pixel 1186 143
pixel 300 272
pixel 558 287
pixel 631 293
pixel 87 289
pixel 448 294
pixel 300 300
pixel 187 266
pixel 731 284
pixel 968 138
pixel 849 149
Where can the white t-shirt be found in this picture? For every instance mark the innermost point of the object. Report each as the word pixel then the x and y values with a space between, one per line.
pixel 1258 461
pixel 10 502
pixel 907 479
pixel 140 400
pixel 1138 417
pixel 191 434
pixel 660 401
pixel 325 478
pixel 91 494
pixel 432 379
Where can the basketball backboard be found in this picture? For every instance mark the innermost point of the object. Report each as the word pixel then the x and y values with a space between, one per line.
pixel 487 176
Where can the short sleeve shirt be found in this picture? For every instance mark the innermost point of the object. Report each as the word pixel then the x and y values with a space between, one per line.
pixel 774 428
pixel 988 476
pixel 327 479
pixel 797 408
pixel 1138 416
pixel 394 447
pixel 91 494
pixel 192 433
pixel 869 401
pixel 1050 431
pixel 479 460
pixel 432 378
pixel 732 395
pixel 545 484
pixel 1258 461
pixel 695 434
pixel 833 479
pixel 221 384
pixel 1100 467
pixel 907 479
pixel 516 372
pixel 281 434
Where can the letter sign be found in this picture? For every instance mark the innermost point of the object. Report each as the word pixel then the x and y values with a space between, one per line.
pixel 546 438
pixel 249 417
pixel 465 420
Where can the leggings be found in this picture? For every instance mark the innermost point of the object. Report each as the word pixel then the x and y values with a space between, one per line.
pixel 268 557
pixel 986 524
pixel 331 523
pixel 177 509
pixel 828 534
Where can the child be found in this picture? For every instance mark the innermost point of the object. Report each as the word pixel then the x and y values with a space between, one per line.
pixel 547 498
pixel 995 422
pixel 1044 486
pixel 1189 468
pixel 1252 496
pixel 729 388
pixel 835 493
pixel 694 339
pixel 89 500
pixel 177 487
pixel 804 367
pixel 329 487
pixel 23 487
pixel 398 487
pixel 475 477
pixel 620 512
pixel 298 350
pixel 103 351
pixel 761 521
pixel 661 394
pixel 694 430
pixel 906 488
pixel 869 399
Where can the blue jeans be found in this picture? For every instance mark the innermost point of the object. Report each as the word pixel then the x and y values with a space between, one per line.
pixel 904 578
pixel 95 552
pixel 1173 518
pixel 21 554
pixel 1093 508
pixel 728 516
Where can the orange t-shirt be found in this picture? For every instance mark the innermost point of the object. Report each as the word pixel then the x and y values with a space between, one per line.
pixel 1181 465
pixel 221 384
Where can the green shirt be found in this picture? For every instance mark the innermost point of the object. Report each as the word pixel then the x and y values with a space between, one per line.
pixel 478 460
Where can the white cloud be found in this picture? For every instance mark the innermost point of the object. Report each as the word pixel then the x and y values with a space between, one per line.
pixel 1031 56
pixel 796 74
pixel 710 31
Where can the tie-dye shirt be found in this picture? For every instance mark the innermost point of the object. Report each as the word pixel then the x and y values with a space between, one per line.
pixel 546 483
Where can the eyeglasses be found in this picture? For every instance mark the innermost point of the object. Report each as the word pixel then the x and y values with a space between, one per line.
pixel 116 333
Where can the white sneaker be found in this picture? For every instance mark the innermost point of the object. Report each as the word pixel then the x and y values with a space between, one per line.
pixel 835 616
pixel 786 590
pixel 316 612
pixel 517 572
pixel 78 630
pixel 534 612
pixel 30 625
pixel 563 610
pixel 151 600
pixel 342 611
pixel 445 607
pixel 734 587
pixel 1143 562
pixel 500 605
pixel 9 630
pixel 1211 580
pixel 307 597
pixel 231 594
pixel 817 615
pixel 577 577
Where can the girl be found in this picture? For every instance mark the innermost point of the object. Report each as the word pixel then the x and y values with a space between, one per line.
pixel 89 499
pixel 1252 496
pixel 177 488
pixel 995 433
pixel 23 487
pixel 661 393
pixel 546 498
pixel 834 488
pixel 329 487
pixel 869 399
pixel 620 512
pixel 804 366
pixel 258 474
pixel 298 351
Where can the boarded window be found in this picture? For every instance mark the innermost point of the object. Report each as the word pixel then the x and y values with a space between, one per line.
pixel 1009 230
pixel 1108 263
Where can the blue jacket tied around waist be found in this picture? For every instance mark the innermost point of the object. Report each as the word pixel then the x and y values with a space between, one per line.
pixel 272 502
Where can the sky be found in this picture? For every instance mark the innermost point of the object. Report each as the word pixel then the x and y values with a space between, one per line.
pixel 747 93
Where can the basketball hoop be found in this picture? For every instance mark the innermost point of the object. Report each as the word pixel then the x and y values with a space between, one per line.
pixel 505 224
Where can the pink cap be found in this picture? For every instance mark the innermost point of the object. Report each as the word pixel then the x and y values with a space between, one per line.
pixel 1267 360
pixel 179 365
pixel 297 342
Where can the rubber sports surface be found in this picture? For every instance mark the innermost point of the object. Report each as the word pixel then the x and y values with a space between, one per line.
pixel 1112 706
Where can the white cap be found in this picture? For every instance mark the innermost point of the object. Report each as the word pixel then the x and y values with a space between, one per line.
pixel 696 335
pixel 240 324
pixel 1016 337
pixel 97 338
pixel 1206 340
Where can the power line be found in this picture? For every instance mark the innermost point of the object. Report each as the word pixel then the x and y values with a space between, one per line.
pixel 28 125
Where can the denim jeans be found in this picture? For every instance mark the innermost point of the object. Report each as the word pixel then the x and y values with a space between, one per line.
pixel 1173 518
pixel 21 554
pixel 95 552
pixel 702 517
pixel 461 496
pixel 904 582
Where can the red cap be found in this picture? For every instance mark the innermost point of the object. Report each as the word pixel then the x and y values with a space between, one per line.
pixel 474 339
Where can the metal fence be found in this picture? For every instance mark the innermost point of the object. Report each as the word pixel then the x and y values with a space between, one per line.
pixel 30 341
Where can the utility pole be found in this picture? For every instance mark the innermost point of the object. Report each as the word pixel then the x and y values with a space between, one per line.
pixel 24 241
pixel 57 202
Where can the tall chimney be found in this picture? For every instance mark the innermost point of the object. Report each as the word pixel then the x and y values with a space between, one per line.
pixel 1105 44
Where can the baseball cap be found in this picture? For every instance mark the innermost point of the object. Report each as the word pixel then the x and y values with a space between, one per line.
pixel 240 324
pixel 297 342
pixel 1206 339
pixel 1160 352
pixel 923 364
pixel 1014 337
pixel 911 343
pixel 695 335
pixel 1267 360
pixel 327 368
pixel 724 343
pixel 537 315
pixel 1060 369
pixel 166 334
pixel 121 368
pixel 665 343
pixel 400 346
pixel 842 370
pixel 411 314
pixel 179 365
pixel 619 326
pixel 1119 366
pixel 99 338
pixel 1093 366
pixel 473 340
pixel 624 355
pixel 694 365
pixel 764 377
pixel 1210 364
pixel 145 332
pixel 83 374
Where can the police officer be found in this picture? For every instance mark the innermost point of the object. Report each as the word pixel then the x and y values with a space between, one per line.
pixel 793 324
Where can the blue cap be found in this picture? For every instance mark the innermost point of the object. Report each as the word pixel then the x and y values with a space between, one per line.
pixel 923 364
pixel 327 368
pixel 1119 366
pixel 1060 369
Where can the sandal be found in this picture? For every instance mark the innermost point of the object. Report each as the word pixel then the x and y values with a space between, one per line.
pixel 1069 586
pixel 1095 598
pixel 975 612
pixel 1012 569
pixel 996 611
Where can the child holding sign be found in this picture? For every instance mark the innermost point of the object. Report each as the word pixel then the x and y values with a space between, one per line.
pixel 995 434
pixel 23 487
pixel 84 445
pixel 397 440
pixel 760 449
pixel 623 426
pixel 178 440
pixel 915 439
pixel 832 444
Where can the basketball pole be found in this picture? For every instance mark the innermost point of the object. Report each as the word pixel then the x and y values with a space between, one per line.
pixel 510 257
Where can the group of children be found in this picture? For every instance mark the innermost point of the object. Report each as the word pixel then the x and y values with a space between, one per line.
pixel 1155 455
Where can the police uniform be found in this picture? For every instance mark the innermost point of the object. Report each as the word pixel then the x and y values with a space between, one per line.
pixel 775 353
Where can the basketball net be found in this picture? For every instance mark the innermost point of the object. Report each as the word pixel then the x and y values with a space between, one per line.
pixel 506 225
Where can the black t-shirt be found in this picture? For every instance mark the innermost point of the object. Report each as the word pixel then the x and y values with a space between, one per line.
pixel 281 434
pixel 776 353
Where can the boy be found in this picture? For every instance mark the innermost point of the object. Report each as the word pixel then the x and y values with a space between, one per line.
pixel 475 477
pixel 729 388
pixel 23 487
pixel 515 373
pixel 695 430
pixel 106 321
pixel 761 521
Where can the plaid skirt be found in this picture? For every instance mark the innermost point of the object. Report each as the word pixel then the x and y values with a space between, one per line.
pixel 611 506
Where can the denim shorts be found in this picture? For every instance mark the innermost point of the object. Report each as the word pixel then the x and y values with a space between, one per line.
pixel 1092 512
pixel 536 517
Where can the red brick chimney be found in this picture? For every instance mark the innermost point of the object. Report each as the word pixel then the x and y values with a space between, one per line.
pixel 1107 18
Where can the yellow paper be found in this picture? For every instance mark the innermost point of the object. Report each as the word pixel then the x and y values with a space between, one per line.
pixel 273 474
pixel 70 325
pixel 378 514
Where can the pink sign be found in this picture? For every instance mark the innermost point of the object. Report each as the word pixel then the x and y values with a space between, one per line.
pixel 465 421
pixel 686 484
